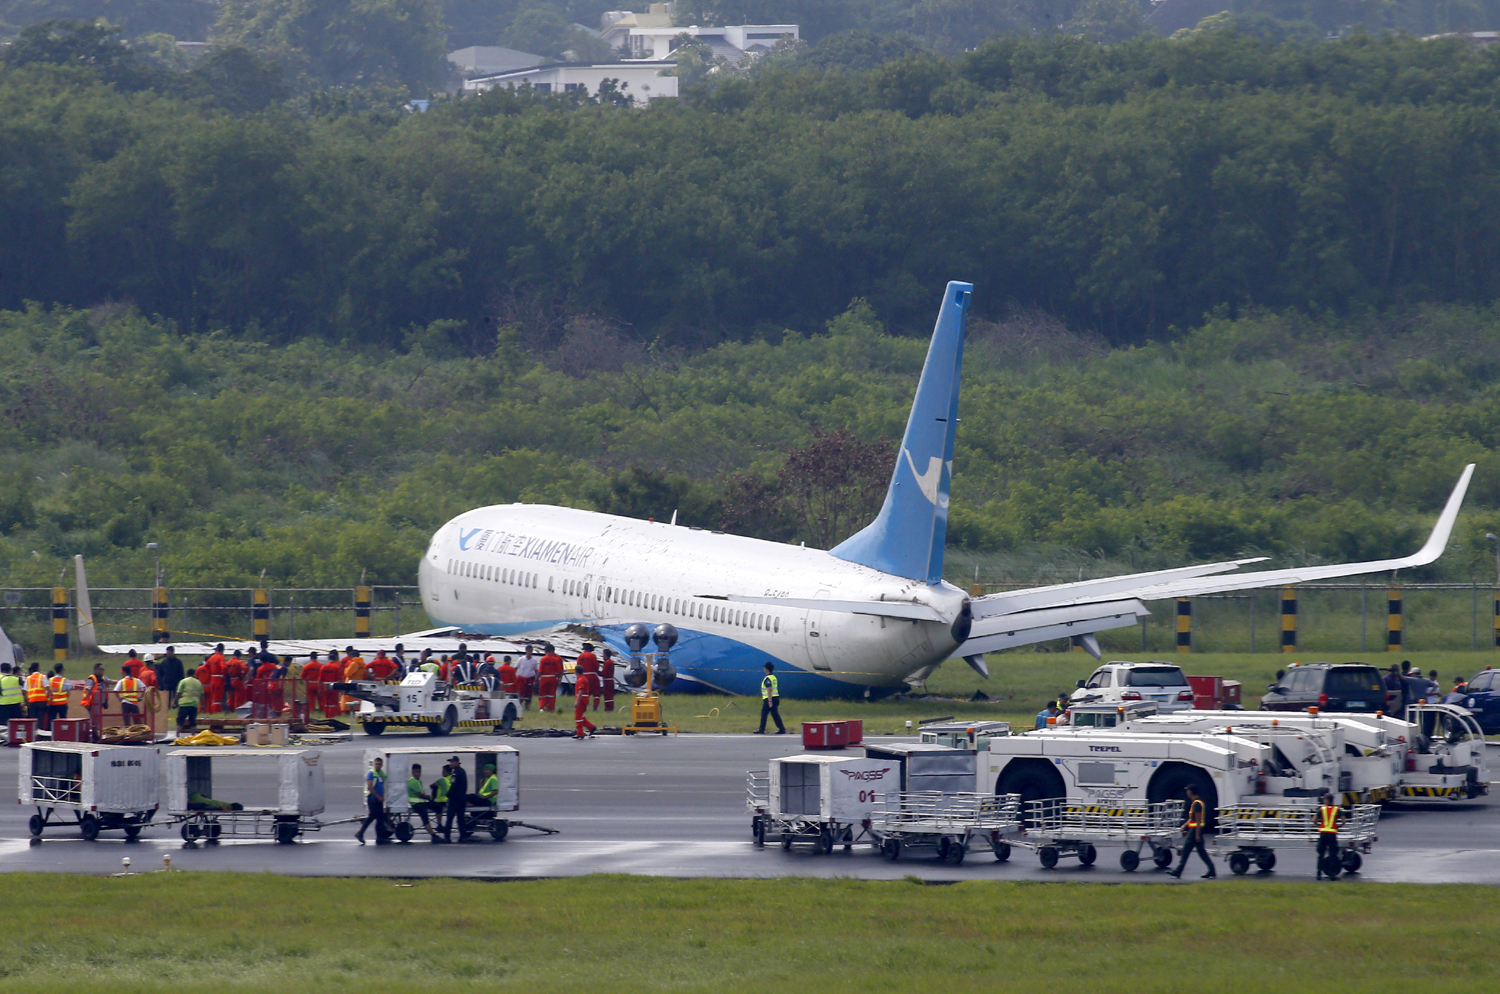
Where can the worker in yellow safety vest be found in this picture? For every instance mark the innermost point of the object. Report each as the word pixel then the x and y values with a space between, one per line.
pixel 132 692
pixel 770 700
pixel 1328 837
pixel 490 789
pixel 57 693
pixel 11 694
pixel 36 696
pixel 1192 834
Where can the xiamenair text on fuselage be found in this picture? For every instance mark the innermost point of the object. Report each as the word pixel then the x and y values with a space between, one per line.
pixel 860 618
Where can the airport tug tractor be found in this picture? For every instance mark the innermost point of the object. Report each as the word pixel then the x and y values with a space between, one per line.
pixel 421 700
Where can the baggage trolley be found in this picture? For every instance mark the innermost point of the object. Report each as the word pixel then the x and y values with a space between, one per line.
pixel 949 824
pixel 93 787
pixel 1253 835
pixel 766 826
pixel 282 806
pixel 1061 828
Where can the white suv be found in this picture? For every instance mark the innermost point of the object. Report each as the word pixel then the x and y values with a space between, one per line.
pixel 1118 680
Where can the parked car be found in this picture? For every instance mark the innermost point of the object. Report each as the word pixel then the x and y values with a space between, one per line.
pixel 1328 687
pixel 1121 681
pixel 1484 700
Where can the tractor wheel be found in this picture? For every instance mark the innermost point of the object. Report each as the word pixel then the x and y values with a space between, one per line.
pixel 374 727
pixel 445 727
pixel 508 719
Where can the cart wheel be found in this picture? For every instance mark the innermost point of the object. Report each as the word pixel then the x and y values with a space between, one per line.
pixel 629 732
pixel 500 829
pixel 213 830
pixel 1266 861
pixel 957 851
pixel 89 826
pixel 404 831
pixel 373 727
pixel 1163 857
pixel 825 841
pixel 891 849
pixel 189 832
pixel 1332 866
pixel 1129 860
pixel 1002 851
pixel 36 824
pixel 1048 856
pixel 286 832
pixel 758 830
pixel 132 832
pixel 1239 863
pixel 786 842
pixel 1087 854
pixel 1352 861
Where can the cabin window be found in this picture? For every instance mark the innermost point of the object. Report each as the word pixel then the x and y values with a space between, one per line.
pixel 777 625
pixel 585 591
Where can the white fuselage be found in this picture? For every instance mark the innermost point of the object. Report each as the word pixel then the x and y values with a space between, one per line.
pixel 519 568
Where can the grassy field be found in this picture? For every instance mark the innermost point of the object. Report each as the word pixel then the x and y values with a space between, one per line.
pixel 1019 683
pixel 257 932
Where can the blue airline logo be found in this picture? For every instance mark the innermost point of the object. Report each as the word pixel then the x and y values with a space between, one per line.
pixel 464 537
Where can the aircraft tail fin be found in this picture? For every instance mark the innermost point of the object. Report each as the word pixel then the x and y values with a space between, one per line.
pixel 907 537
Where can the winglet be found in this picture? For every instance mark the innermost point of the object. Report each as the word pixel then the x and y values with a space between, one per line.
pixel 907 537
pixel 1443 530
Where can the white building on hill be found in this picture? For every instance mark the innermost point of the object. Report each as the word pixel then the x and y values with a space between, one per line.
pixel 641 80
pixel 651 35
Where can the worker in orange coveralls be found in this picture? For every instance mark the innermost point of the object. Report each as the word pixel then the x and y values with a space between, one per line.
pixel 214 685
pixel 549 671
pixel 607 680
pixel 235 674
pixel 584 683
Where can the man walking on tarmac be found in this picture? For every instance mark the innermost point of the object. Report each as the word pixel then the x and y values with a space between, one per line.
pixel 1328 835
pixel 1192 835
pixel 458 795
pixel 549 671
pixel 585 683
pixel 770 700
pixel 375 805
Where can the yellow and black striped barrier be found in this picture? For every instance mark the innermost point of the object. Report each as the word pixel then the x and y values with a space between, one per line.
pixel 59 623
pixel 1393 633
pixel 361 612
pixel 1288 619
pixel 1408 790
pixel 1184 624
pixel 1099 809
pixel 161 631
pixel 260 615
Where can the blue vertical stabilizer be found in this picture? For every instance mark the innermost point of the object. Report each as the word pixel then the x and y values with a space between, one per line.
pixel 906 538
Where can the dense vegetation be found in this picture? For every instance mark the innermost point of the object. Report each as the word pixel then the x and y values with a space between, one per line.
pixel 1232 297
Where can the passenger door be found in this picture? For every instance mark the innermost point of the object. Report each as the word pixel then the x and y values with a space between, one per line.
pixel 814 636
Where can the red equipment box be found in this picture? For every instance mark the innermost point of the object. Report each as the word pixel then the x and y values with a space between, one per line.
pixel 832 734
pixel 70 730
pixel 1231 696
pixel 1208 692
pixel 21 730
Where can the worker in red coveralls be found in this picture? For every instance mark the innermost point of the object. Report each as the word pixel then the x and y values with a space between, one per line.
pixel 133 664
pixel 382 666
pixel 214 685
pixel 607 680
pixel 507 673
pixel 235 672
pixel 312 675
pixel 549 671
pixel 588 663
pixel 585 683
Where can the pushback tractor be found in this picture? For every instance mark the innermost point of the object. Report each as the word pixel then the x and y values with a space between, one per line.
pixel 421 700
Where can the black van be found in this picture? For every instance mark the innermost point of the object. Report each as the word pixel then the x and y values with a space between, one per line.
pixel 1328 687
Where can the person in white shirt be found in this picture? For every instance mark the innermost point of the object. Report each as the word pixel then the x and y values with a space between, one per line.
pixel 526 671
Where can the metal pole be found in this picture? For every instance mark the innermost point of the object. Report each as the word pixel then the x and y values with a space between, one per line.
pixel 1252 621
pixel 1362 598
pixel 1475 641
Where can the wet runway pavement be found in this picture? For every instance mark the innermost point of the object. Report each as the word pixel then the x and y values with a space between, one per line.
pixel 673 807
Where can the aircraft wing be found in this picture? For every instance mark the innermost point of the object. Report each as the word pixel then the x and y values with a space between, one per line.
pixel 1185 583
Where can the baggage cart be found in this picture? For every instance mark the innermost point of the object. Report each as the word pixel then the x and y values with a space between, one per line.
pixel 1059 828
pixel 283 791
pixel 949 824
pixel 929 766
pixel 477 818
pixel 95 787
pixel 820 799
pixel 1253 835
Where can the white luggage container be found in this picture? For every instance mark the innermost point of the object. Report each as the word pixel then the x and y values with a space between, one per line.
pixel 825 800
pixel 103 787
pixel 282 812
pixel 398 762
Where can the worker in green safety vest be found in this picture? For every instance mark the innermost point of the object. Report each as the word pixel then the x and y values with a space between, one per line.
pixel 440 798
pixel 490 789
pixel 770 700
pixel 11 695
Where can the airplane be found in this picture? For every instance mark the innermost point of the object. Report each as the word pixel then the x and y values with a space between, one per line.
pixel 865 618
